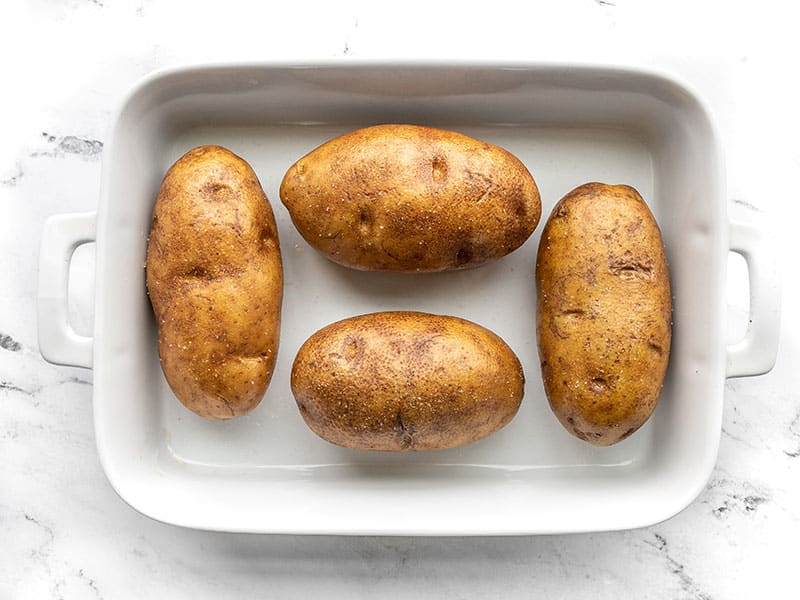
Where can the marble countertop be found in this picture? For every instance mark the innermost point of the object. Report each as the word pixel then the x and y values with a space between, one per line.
pixel 66 534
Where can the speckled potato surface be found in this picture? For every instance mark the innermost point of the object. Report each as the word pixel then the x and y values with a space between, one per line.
pixel 410 198
pixel 215 281
pixel 406 381
pixel 604 312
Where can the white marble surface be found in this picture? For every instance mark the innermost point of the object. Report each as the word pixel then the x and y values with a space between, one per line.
pixel 67 535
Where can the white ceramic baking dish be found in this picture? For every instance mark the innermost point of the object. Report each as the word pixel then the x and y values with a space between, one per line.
pixel 267 472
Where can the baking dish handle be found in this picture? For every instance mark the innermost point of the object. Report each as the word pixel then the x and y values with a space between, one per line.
pixel 755 354
pixel 58 342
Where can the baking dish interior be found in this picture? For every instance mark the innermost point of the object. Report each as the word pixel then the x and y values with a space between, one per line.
pixel 267 472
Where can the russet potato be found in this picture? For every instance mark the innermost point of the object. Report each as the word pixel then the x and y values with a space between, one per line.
pixel 410 198
pixel 604 312
pixel 406 381
pixel 215 281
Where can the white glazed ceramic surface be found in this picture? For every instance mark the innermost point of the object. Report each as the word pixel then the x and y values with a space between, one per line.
pixel 267 472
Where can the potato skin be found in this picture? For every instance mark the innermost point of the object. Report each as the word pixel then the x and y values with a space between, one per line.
pixel 403 381
pixel 410 198
pixel 215 280
pixel 604 312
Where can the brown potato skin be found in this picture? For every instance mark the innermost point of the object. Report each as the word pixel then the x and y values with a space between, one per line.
pixel 404 381
pixel 411 198
pixel 215 280
pixel 604 312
